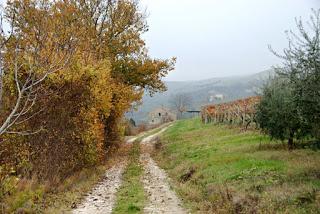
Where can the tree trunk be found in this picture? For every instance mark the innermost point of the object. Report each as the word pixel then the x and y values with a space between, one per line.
pixel 290 141
pixel 111 127
pixel 111 131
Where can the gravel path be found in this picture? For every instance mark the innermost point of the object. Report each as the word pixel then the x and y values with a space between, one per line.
pixel 161 198
pixel 102 198
pixel 131 139
pixel 149 140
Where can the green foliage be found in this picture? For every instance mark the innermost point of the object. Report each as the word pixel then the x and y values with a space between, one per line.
pixel 277 113
pixel 301 65
pixel 30 196
pixel 20 194
pixel 238 172
pixel 290 102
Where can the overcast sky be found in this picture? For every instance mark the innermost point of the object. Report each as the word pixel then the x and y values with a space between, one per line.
pixel 216 38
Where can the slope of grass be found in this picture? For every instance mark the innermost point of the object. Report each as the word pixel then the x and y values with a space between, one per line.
pixel 220 169
pixel 131 197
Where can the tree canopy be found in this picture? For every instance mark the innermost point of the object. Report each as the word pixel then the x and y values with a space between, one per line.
pixel 69 71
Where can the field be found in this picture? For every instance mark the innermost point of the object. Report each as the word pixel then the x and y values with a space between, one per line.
pixel 217 168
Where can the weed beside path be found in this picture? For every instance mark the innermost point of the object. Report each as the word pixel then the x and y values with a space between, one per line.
pixel 31 196
pixel 131 197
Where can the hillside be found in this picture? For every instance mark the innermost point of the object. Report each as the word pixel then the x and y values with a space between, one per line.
pixel 221 169
pixel 201 91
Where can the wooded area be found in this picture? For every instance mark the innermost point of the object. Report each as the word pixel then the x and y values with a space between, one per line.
pixel 69 71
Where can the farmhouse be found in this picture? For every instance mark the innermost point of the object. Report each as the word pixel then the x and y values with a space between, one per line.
pixel 215 97
pixel 161 115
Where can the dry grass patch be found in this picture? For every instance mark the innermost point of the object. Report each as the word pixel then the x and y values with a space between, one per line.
pixel 55 196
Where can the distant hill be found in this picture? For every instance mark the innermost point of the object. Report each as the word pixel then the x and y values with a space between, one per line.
pixel 202 92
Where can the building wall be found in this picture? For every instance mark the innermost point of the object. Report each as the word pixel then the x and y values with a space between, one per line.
pixel 161 115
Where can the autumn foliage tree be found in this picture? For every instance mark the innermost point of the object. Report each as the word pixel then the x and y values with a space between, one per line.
pixel 92 63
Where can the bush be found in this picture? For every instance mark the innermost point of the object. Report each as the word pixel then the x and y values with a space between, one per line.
pixel 302 69
pixel 277 113
pixel 291 101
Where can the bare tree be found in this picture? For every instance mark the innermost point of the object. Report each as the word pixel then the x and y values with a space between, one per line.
pixel 29 67
pixel 181 102
pixel 3 40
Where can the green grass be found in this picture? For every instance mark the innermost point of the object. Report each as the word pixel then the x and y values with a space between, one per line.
pixel 236 171
pixel 131 197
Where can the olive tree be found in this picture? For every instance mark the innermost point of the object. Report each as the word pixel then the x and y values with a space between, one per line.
pixel 277 112
pixel 301 65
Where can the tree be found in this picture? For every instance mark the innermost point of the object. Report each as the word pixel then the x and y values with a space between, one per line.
pixel 27 61
pixel 117 27
pixel 180 102
pixel 101 66
pixel 301 65
pixel 277 114
pixel 92 64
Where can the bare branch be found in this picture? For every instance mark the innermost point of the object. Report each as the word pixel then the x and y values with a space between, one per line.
pixel 25 133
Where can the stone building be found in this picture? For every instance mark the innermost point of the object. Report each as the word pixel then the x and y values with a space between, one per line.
pixel 161 115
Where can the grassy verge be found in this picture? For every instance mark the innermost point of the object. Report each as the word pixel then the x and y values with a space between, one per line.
pixel 223 170
pixel 131 197
pixel 29 196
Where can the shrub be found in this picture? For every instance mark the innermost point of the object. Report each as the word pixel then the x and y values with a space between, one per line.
pixel 277 113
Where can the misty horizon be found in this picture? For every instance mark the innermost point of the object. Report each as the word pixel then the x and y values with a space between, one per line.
pixel 221 39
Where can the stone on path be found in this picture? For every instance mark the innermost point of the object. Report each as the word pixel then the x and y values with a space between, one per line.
pixel 161 198
pixel 103 197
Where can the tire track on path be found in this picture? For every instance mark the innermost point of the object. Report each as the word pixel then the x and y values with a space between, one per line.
pixel 162 199
pixel 101 199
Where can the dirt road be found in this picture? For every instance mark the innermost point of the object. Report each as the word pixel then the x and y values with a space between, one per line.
pixel 161 198
pixel 102 198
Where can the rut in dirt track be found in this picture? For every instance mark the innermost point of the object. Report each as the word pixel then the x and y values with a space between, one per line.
pixel 161 199
pixel 102 198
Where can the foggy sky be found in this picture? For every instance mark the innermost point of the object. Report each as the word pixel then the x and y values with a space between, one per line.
pixel 216 38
